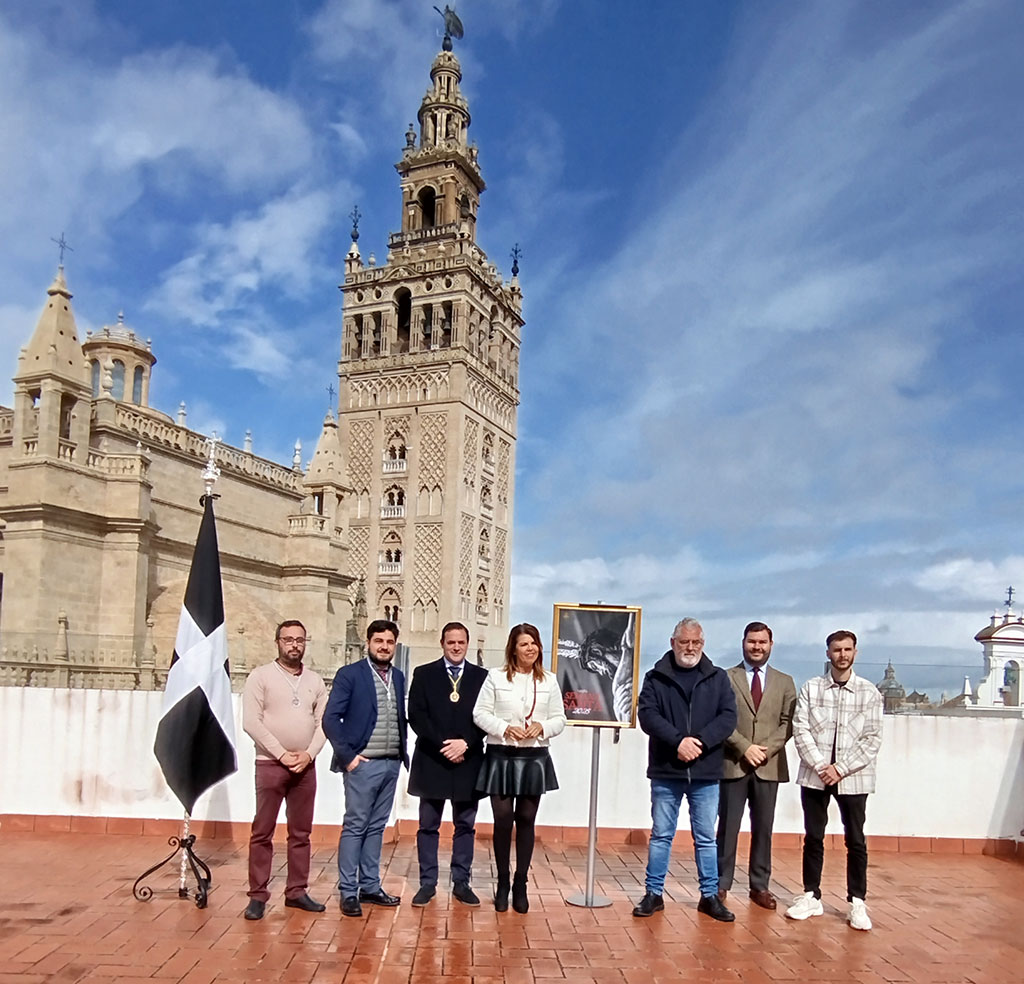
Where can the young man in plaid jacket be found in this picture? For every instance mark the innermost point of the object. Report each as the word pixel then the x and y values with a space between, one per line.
pixel 837 730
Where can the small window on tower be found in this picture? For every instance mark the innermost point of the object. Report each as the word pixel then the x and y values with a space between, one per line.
pixel 403 303
pixel 428 203
pixel 117 390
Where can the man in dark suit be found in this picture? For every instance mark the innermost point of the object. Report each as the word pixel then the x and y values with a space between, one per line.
pixel 755 762
pixel 446 762
pixel 365 724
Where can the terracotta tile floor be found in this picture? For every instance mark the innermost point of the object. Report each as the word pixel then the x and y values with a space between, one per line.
pixel 68 915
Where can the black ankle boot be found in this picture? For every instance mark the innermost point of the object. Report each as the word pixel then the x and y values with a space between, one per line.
pixel 501 894
pixel 519 900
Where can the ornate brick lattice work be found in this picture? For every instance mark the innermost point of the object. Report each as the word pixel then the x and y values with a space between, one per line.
pixel 358 545
pixel 504 455
pixel 470 451
pixel 360 452
pixel 427 579
pixel 498 578
pixel 404 387
pixel 465 553
pixel 491 405
pixel 398 423
pixel 432 449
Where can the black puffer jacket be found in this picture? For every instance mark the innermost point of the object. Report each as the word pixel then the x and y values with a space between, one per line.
pixel 668 717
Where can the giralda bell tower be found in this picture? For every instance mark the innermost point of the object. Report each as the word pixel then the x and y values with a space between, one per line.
pixel 428 395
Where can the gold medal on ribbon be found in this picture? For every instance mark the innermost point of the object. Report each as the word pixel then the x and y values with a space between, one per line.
pixel 454 696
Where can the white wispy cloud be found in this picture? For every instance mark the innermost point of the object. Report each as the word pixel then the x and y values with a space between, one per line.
pixel 983 580
pixel 85 138
pixel 272 247
pixel 386 44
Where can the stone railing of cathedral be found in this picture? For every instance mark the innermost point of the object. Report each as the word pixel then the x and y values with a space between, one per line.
pixel 399 239
pixel 464 255
pixel 234 460
pixel 307 521
pixel 110 665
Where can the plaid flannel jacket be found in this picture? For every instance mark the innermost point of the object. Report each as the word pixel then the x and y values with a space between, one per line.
pixel 849 714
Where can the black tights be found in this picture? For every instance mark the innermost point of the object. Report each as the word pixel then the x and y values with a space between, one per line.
pixel 523 811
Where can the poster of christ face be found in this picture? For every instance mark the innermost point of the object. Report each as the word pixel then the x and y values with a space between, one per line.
pixel 597 663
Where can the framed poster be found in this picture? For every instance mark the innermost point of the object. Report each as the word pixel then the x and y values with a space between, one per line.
pixel 597 663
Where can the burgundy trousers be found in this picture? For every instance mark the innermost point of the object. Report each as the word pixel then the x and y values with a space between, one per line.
pixel 274 783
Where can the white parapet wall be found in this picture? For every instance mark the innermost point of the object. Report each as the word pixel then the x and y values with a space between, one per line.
pixel 90 753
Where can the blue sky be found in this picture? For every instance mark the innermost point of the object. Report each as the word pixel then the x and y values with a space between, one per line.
pixel 771 273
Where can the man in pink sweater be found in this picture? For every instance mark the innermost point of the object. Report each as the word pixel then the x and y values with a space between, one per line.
pixel 282 707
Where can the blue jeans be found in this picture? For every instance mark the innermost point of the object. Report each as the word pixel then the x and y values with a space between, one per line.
pixel 369 795
pixel 666 795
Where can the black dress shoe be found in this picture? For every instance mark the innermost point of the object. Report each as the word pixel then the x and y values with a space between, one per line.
pixel 350 906
pixel 649 905
pixel 520 900
pixel 501 895
pixel 379 898
pixel 712 906
pixel 255 909
pixel 305 903
pixel 465 894
pixel 424 895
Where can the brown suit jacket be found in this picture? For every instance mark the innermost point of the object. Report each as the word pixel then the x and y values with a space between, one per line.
pixel 771 726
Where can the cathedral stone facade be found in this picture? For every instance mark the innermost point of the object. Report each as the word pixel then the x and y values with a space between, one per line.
pixel 405 508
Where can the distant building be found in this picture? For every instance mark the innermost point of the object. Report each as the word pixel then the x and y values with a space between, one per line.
pixel 1002 644
pixel 999 692
pixel 892 691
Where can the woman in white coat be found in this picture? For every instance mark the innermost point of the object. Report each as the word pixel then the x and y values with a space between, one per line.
pixel 520 708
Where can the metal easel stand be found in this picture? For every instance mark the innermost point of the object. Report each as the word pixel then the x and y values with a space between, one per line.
pixel 588 899
pixel 189 859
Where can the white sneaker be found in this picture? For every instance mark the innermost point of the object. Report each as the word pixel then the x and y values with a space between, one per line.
pixel 858 917
pixel 806 905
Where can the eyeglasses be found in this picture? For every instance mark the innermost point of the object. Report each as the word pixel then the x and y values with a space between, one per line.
pixel 290 639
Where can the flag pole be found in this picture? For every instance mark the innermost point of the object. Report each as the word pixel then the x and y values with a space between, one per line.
pixel 182 889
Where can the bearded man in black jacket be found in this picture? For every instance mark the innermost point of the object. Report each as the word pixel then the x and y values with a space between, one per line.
pixel 687 708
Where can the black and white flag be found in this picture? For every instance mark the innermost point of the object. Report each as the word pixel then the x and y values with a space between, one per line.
pixel 195 740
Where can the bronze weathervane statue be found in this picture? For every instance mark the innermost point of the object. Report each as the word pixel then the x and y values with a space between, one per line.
pixel 452 27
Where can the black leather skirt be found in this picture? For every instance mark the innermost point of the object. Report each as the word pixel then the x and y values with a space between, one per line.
pixel 516 772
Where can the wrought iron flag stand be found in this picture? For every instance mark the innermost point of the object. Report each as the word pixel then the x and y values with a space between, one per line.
pixel 189 859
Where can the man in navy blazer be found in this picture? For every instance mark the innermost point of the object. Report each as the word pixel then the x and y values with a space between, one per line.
pixel 365 724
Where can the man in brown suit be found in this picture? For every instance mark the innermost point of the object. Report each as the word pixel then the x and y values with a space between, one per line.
pixel 755 762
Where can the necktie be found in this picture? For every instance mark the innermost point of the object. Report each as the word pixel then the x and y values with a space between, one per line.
pixel 755 688
pixel 454 671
